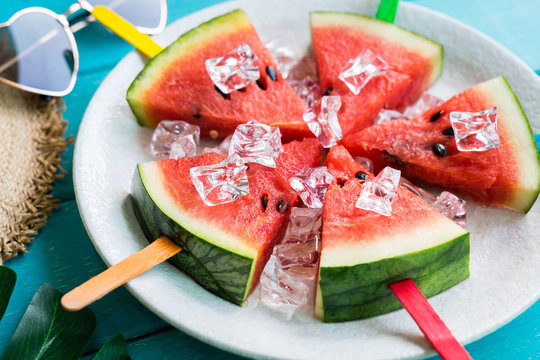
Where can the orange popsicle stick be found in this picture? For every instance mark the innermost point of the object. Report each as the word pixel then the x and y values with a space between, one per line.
pixel 117 275
pixel 428 321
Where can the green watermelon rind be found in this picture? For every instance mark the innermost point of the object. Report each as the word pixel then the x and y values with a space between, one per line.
pixel 161 61
pixel 220 271
pixel 533 198
pixel 361 291
pixel 438 61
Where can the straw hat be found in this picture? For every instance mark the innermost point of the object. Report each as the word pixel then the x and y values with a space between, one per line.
pixel 31 143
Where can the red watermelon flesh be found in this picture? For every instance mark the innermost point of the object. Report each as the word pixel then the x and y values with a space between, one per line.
pixel 507 176
pixel 414 64
pixel 233 240
pixel 176 85
pixel 363 252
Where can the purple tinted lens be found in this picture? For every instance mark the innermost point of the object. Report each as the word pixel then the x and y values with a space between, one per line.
pixel 36 52
pixel 144 14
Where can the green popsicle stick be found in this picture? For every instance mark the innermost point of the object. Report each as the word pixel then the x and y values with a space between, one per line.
pixel 387 10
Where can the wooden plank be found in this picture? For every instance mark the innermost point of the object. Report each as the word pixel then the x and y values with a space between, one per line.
pixel 172 344
pixel 514 24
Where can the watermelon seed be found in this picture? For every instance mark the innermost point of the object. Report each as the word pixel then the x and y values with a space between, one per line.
pixel 282 205
pixel 439 150
pixel 328 91
pixel 341 184
pixel 271 72
pixel 436 116
pixel 448 132
pixel 214 134
pixel 393 158
pixel 361 175
pixel 225 96
pixel 260 83
pixel 264 201
pixel 197 116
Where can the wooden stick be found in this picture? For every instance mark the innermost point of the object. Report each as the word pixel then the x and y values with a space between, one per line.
pixel 429 322
pixel 117 275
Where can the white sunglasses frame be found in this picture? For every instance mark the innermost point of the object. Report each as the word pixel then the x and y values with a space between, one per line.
pixel 70 30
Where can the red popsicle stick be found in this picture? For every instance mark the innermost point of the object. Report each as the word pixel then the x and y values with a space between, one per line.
pixel 428 321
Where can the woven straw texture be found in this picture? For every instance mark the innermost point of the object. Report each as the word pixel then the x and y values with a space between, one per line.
pixel 31 143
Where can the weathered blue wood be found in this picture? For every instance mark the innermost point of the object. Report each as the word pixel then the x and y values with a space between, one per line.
pixel 64 256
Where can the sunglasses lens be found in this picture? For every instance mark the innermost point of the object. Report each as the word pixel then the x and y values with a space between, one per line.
pixel 147 15
pixel 36 52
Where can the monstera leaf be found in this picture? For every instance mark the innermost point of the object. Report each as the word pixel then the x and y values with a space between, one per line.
pixel 7 283
pixel 47 331
pixel 114 349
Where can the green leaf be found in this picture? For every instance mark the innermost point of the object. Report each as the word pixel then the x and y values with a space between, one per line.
pixel 114 349
pixel 47 331
pixel 387 10
pixel 8 278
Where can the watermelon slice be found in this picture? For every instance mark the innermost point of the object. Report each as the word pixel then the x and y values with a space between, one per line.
pixel 414 64
pixel 508 176
pixel 363 252
pixel 226 246
pixel 175 84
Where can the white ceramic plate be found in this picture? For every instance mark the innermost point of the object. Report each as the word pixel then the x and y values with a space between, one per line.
pixel 505 246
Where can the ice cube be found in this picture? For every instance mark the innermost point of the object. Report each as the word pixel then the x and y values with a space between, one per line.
pixel 361 70
pixel 302 223
pixel 305 67
pixel 426 195
pixel 311 185
pixel 289 278
pixel 387 115
pixel 475 131
pixel 170 131
pixel 279 288
pixel 446 203
pixel 222 148
pixel 426 102
pixel 452 207
pixel 256 142
pixel 307 89
pixel 378 194
pixel 285 57
pixel 366 163
pixel 221 183
pixel 234 70
pixel 325 124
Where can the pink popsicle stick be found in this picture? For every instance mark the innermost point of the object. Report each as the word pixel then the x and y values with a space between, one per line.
pixel 428 321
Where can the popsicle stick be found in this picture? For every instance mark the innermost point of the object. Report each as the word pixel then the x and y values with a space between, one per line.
pixel 387 10
pixel 126 31
pixel 117 275
pixel 429 322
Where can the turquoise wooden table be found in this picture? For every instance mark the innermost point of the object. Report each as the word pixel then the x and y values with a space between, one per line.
pixel 64 256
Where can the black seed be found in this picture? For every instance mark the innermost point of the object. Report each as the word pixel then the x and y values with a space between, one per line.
pixel 247 167
pixel 436 116
pixel 271 72
pixel 45 98
pixel 393 158
pixel 341 184
pixel 282 205
pixel 197 116
pixel 225 96
pixel 264 201
pixel 448 132
pixel 328 91
pixel 260 83
pixel 361 175
pixel 439 150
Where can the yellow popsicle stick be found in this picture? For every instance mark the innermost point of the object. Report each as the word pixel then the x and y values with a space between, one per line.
pixel 119 274
pixel 126 31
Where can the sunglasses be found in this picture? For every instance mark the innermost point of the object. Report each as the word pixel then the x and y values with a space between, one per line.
pixel 38 52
